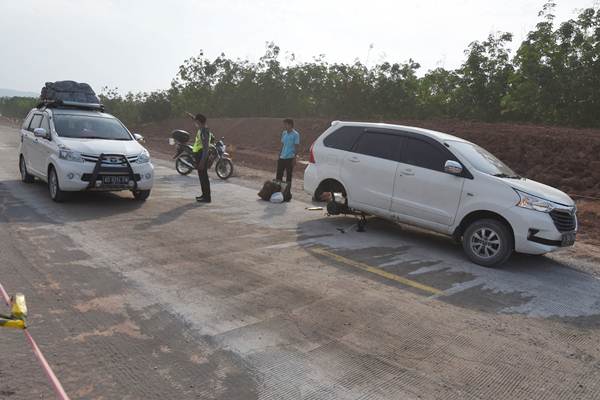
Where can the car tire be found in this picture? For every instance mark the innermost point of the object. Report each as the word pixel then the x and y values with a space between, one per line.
pixel 25 176
pixel 488 242
pixel 56 193
pixel 140 195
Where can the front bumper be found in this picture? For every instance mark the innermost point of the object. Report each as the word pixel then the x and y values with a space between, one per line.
pixel 73 177
pixel 535 232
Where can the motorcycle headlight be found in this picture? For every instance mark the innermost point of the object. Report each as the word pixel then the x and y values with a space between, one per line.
pixel 144 158
pixel 534 203
pixel 70 155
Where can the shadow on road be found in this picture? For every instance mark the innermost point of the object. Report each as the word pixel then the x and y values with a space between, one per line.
pixel 532 285
pixel 167 216
pixel 79 206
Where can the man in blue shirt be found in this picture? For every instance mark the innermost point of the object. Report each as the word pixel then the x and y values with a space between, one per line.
pixel 290 139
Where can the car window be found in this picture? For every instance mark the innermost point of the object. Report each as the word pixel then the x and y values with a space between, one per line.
pixel 423 154
pixel 90 127
pixel 481 159
pixel 35 122
pixel 46 124
pixel 343 138
pixel 381 145
pixel 27 121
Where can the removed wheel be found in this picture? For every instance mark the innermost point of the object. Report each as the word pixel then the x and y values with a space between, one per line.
pixel 25 176
pixel 185 164
pixel 488 242
pixel 140 195
pixel 54 187
pixel 224 168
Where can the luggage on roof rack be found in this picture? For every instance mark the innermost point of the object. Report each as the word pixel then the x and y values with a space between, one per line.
pixel 69 94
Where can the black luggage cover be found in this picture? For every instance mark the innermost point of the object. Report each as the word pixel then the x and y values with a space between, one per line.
pixel 69 91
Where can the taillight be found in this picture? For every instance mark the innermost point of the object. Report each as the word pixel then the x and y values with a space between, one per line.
pixel 312 154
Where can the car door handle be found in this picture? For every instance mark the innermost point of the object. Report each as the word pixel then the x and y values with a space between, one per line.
pixel 408 172
pixel 354 159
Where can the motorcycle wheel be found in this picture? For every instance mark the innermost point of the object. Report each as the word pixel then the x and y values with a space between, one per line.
pixel 224 168
pixel 184 164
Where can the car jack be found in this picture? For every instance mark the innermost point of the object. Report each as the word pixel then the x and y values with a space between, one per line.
pixel 360 225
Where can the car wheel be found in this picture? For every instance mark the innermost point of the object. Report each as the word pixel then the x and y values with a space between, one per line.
pixel 56 193
pixel 141 195
pixel 488 242
pixel 25 176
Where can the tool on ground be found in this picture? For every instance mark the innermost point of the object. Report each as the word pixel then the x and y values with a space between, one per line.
pixel 16 319
pixel 18 313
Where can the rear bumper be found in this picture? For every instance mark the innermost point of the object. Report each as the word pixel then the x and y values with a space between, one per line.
pixel 311 179
pixel 74 177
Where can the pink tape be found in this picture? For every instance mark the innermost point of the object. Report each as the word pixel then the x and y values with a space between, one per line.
pixel 5 295
pixel 60 391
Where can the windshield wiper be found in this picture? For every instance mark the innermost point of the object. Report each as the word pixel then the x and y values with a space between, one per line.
pixel 507 176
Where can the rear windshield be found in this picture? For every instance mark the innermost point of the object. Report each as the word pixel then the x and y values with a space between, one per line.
pixel 89 127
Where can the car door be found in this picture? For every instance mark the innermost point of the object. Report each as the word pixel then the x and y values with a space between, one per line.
pixel 30 143
pixel 42 148
pixel 25 135
pixel 423 192
pixel 369 171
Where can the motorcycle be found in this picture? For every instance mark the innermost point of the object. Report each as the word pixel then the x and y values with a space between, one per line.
pixel 185 161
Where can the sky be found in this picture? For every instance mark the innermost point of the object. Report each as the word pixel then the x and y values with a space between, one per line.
pixel 138 45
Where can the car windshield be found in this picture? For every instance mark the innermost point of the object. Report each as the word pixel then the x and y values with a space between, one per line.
pixel 482 160
pixel 90 127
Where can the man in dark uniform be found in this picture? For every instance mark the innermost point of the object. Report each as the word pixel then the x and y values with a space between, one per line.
pixel 200 149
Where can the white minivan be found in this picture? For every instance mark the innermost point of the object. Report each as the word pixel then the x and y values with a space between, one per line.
pixel 79 147
pixel 442 183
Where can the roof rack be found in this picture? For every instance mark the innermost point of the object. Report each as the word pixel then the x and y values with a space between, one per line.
pixel 70 104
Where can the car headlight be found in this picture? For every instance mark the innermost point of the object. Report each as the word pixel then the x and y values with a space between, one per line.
pixel 143 158
pixel 534 203
pixel 70 155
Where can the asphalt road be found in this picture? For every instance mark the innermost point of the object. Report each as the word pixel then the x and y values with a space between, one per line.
pixel 243 299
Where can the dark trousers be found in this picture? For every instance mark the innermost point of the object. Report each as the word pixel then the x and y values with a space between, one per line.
pixel 204 182
pixel 287 165
pixel 203 175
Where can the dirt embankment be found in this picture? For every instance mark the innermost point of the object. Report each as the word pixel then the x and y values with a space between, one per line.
pixel 566 158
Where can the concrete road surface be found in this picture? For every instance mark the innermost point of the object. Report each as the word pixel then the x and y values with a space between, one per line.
pixel 243 299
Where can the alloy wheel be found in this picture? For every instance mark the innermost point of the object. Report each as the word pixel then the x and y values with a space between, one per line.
pixel 485 243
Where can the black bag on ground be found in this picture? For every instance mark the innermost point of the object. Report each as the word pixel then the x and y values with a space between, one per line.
pixel 268 189
pixel 69 91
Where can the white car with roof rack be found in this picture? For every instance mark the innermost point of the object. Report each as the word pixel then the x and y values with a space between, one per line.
pixel 442 183
pixel 76 146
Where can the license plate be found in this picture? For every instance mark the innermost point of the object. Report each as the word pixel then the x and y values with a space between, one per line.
pixel 115 180
pixel 568 239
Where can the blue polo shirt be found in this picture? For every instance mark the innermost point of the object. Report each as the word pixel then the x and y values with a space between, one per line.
pixel 288 140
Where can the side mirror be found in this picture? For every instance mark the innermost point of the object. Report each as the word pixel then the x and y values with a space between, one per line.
pixel 453 167
pixel 138 137
pixel 40 132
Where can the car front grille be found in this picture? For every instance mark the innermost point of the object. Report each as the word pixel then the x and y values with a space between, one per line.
pixel 564 220
pixel 110 160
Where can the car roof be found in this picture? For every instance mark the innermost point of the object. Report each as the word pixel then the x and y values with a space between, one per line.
pixel 75 111
pixel 439 136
